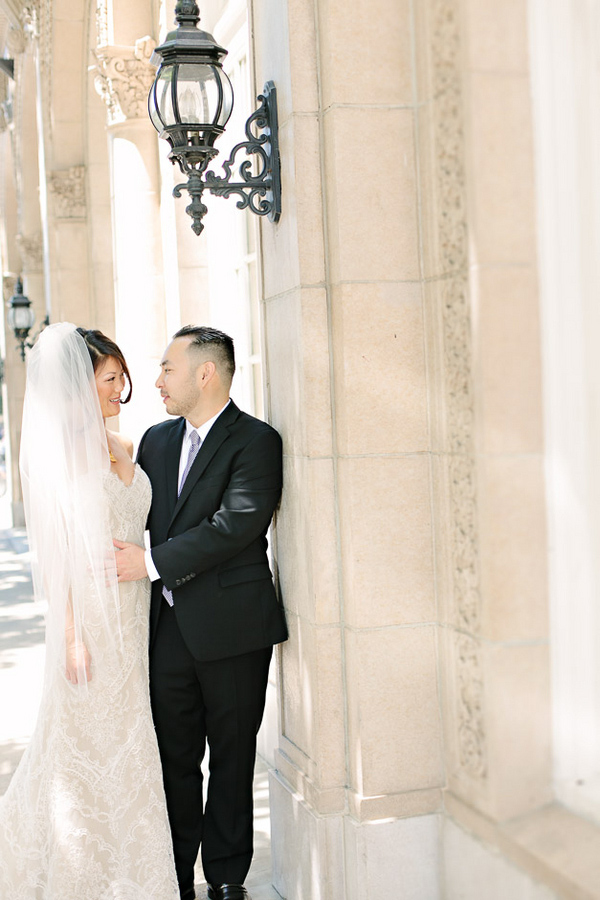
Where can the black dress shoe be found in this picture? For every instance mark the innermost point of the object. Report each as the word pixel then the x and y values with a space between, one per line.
pixel 228 892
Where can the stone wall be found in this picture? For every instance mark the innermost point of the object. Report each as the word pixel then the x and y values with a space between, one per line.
pixel 403 347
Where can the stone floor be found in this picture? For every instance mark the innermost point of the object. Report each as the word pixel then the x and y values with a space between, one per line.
pixel 21 666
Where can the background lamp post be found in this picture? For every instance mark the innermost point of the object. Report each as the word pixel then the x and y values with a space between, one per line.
pixel 190 103
pixel 21 318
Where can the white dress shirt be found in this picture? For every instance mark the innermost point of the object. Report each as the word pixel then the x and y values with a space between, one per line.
pixel 202 432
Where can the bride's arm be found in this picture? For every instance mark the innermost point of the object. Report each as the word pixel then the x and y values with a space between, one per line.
pixel 77 658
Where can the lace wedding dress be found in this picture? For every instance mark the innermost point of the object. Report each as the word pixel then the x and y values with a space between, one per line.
pixel 84 816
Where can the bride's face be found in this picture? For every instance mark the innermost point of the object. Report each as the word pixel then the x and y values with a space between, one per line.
pixel 110 382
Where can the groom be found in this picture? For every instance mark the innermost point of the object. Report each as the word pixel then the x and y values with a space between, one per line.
pixel 216 478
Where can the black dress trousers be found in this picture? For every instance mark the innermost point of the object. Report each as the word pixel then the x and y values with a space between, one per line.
pixel 220 702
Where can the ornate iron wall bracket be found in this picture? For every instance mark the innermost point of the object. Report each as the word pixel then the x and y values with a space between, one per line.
pixel 259 191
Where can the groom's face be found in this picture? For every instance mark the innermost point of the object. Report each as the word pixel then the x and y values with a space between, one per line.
pixel 177 381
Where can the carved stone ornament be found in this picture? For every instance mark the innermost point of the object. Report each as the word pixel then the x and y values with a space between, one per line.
pixel 470 691
pixel 16 40
pixel 459 397
pixel 6 108
pixel 37 24
pixel 31 252
pixel 124 79
pixel 102 28
pixel 31 17
pixel 9 283
pixel 5 116
pixel 67 188
pixel 452 235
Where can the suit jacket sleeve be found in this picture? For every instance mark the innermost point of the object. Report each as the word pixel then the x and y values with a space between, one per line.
pixel 141 446
pixel 247 505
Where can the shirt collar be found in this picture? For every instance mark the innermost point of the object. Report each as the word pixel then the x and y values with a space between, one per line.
pixel 202 430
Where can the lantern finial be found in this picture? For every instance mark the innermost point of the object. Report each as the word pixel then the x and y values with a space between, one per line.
pixel 187 12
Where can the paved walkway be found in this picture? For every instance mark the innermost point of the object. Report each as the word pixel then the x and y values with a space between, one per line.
pixel 21 672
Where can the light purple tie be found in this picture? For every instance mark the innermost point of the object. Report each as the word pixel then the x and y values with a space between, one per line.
pixel 194 447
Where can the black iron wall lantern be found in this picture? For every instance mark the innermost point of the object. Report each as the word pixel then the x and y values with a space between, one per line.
pixel 190 104
pixel 21 318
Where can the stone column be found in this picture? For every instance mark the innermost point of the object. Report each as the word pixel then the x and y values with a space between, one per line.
pixel 359 772
pixel 32 273
pixel 68 231
pixel 22 250
pixel 13 391
pixel 124 79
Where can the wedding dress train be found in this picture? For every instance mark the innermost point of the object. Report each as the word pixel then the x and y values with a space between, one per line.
pixel 84 817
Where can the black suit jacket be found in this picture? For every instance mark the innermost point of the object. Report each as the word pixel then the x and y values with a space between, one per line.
pixel 209 544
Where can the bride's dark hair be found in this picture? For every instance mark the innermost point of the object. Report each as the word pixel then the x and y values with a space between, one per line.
pixel 100 348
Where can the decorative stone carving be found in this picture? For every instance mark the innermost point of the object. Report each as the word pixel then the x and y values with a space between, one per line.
pixel 459 398
pixel 452 233
pixel 6 107
pixel 449 136
pixel 102 23
pixel 124 79
pixel 471 725
pixel 16 41
pixel 67 188
pixel 31 250
pixel 461 462
pixel 31 16
pixel 9 282
pixel 5 115
pixel 465 543
pixel 37 25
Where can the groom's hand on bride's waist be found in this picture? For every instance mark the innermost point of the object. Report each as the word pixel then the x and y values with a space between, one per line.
pixel 131 565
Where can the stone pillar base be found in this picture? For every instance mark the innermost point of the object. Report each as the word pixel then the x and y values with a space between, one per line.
pixel 424 857
pixel 468 865
pixel 306 848
pixel 337 858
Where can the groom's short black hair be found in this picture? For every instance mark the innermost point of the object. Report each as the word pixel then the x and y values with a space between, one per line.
pixel 218 344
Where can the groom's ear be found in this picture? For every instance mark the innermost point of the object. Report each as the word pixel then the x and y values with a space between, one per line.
pixel 205 373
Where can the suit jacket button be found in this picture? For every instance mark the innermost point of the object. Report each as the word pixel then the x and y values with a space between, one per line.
pixel 193 575
pixel 178 582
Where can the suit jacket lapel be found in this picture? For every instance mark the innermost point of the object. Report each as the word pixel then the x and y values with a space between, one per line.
pixel 172 457
pixel 215 437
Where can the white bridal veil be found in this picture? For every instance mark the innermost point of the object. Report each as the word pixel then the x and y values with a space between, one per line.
pixel 64 460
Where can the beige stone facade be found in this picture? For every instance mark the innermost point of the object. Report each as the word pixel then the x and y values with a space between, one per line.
pixel 421 328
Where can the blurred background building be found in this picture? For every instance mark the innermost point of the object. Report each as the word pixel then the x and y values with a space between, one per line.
pixel 422 326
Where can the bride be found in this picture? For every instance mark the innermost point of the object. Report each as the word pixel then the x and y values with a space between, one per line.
pixel 84 817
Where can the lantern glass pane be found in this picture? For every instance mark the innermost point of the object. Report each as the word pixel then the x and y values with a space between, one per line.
pixel 164 99
pixel 21 317
pixel 227 98
pixel 197 94
pixel 152 111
